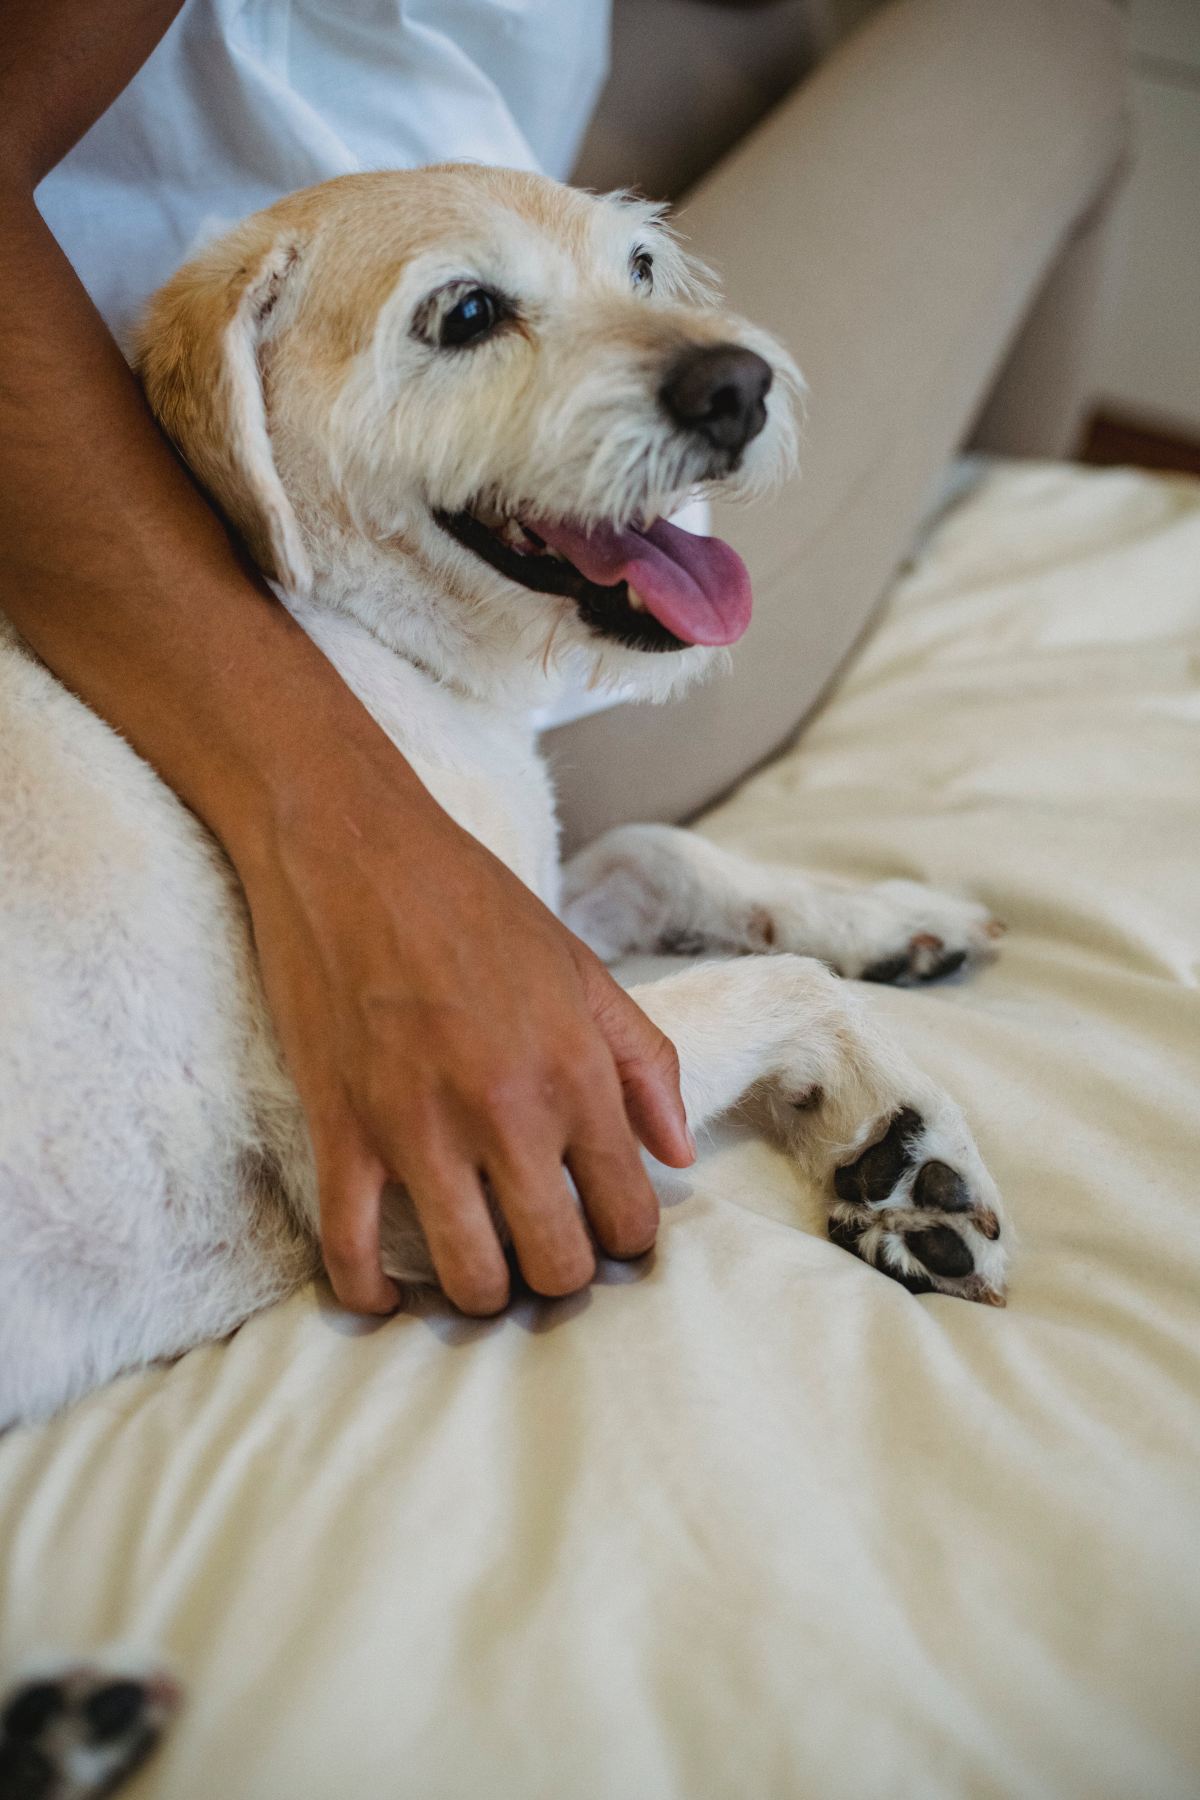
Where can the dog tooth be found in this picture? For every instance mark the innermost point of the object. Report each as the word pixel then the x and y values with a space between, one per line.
pixel 636 601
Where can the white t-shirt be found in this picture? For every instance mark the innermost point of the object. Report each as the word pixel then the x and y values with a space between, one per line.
pixel 244 101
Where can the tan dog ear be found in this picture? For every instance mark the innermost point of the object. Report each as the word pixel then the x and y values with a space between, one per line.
pixel 198 351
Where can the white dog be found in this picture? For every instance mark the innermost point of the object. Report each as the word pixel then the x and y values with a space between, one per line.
pixel 449 411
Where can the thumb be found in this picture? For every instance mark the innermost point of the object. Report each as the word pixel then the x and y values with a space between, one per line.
pixel 647 1064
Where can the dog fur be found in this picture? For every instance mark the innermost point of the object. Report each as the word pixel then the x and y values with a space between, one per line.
pixel 156 1185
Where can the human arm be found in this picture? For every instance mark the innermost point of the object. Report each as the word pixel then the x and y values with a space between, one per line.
pixel 441 1025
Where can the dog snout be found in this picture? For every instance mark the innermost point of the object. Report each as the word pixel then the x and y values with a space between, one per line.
pixel 719 391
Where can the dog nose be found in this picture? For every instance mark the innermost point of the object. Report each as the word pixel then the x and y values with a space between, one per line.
pixel 719 391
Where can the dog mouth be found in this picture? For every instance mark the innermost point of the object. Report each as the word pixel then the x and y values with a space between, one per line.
pixel 650 586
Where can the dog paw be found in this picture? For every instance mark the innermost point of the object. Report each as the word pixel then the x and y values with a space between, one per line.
pixel 922 1210
pixel 80 1730
pixel 907 935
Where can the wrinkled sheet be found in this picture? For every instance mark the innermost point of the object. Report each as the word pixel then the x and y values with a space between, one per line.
pixel 752 1521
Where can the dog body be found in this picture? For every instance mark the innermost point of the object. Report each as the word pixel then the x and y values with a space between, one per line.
pixel 445 409
pixel 155 1178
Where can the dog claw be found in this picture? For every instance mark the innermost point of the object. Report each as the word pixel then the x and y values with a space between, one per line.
pixel 984 1293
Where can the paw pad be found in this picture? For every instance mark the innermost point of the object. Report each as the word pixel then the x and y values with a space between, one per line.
pixel 941 1250
pixel 939 1188
pixel 879 1168
pixel 932 1234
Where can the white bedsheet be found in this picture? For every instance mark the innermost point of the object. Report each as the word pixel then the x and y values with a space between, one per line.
pixel 753 1522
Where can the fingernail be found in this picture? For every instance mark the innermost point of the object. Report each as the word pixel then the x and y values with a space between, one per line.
pixel 691 1138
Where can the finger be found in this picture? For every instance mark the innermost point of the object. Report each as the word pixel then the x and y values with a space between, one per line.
pixel 461 1234
pixel 616 1192
pixel 648 1068
pixel 350 1195
pixel 606 1165
pixel 548 1233
pixel 656 1115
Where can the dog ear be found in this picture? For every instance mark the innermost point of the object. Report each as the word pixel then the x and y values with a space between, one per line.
pixel 198 351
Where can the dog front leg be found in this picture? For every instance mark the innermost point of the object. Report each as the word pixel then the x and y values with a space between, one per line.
pixel 652 888
pixel 903 1184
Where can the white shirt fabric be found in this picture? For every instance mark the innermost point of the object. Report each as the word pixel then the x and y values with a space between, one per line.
pixel 244 101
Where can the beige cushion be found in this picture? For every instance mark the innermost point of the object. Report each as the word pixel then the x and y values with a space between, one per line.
pixel 752 1523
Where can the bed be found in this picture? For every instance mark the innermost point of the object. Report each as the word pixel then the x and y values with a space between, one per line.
pixel 750 1521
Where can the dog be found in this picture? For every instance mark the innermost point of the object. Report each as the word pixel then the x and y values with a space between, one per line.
pixel 449 411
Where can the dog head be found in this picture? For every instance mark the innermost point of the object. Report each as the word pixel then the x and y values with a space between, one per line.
pixel 459 402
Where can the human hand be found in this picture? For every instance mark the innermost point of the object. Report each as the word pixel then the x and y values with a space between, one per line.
pixel 445 1030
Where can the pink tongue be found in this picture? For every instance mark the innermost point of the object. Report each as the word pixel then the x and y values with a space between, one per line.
pixel 696 586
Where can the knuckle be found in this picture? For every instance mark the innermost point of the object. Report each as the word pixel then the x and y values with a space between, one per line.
pixel 663 1056
pixel 513 1137
pixel 505 1094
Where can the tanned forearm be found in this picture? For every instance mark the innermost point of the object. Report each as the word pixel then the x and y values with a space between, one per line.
pixel 63 63
pixel 112 565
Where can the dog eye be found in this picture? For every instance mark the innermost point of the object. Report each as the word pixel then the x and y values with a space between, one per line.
pixel 472 317
pixel 641 270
